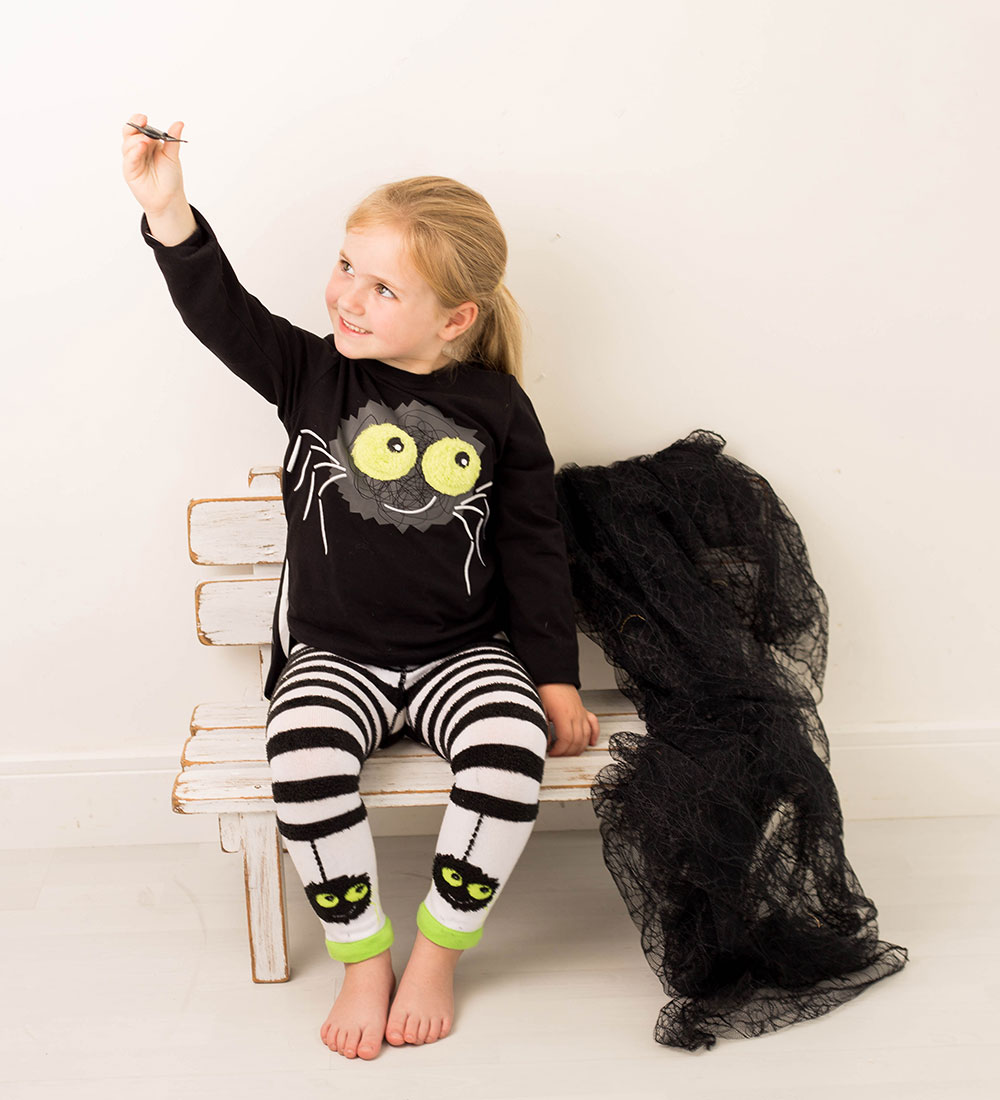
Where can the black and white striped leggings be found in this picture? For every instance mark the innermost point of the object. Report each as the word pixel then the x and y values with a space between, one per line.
pixel 478 709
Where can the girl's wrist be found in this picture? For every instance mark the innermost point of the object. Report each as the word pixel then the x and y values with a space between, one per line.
pixel 173 224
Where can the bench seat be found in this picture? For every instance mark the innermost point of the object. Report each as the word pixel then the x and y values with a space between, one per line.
pixel 225 767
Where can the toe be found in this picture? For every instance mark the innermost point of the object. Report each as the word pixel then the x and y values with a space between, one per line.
pixel 422 1029
pixel 350 1045
pixel 394 1031
pixel 434 1031
pixel 410 1029
pixel 371 1040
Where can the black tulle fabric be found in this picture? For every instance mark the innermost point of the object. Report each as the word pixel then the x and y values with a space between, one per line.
pixel 721 825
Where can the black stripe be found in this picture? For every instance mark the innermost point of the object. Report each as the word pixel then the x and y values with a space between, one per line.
pixel 343 682
pixel 494 661
pixel 505 809
pixel 314 737
pixel 496 669
pixel 332 677
pixel 325 659
pixel 501 708
pixel 350 708
pixel 508 758
pixel 315 830
pixel 308 790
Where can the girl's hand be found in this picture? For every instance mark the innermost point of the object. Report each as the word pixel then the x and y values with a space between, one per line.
pixel 575 726
pixel 152 169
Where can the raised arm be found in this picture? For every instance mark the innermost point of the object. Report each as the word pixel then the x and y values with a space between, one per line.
pixel 278 359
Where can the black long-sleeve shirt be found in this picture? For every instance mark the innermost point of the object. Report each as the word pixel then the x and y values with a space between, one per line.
pixel 421 508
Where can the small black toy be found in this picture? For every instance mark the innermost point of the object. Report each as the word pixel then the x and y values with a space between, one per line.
pixel 151 131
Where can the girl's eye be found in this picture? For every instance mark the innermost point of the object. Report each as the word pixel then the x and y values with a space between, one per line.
pixel 381 288
pixel 346 267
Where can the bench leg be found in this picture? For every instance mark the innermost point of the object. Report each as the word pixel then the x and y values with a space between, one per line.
pixel 257 836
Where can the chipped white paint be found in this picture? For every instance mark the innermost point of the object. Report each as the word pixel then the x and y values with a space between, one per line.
pixel 224 763
pixel 229 833
pixel 236 531
pixel 235 610
pixel 265 897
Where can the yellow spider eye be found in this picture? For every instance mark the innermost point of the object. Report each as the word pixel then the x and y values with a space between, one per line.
pixel 479 891
pixel 451 466
pixel 384 451
pixel 328 901
pixel 451 876
pixel 356 892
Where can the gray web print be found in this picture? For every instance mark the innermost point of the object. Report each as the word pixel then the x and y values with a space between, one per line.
pixel 406 467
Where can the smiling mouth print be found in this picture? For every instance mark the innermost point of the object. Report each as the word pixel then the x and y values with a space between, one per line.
pixel 411 466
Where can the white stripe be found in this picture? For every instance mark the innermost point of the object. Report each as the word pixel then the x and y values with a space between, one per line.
pixel 515 733
pixel 314 763
pixel 456 710
pixel 500 784
pixel 312 716
pixel 304 813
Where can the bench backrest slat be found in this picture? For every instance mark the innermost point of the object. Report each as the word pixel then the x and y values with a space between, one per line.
pixel 237 531
pixel 236 610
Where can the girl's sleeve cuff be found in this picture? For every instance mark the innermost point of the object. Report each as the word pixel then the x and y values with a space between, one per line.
pixel 196 240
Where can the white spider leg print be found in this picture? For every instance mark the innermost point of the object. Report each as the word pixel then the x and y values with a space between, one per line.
pixel 310 459
pixel 466 506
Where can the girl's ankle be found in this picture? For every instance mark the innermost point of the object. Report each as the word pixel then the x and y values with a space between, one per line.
pixel 374 962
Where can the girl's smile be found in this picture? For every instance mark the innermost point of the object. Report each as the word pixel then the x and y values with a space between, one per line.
pixel 353 330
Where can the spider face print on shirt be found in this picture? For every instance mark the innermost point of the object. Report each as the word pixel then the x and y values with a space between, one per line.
pixel 411 466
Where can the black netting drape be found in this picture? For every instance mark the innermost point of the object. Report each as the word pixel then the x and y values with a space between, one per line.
pixel 721 826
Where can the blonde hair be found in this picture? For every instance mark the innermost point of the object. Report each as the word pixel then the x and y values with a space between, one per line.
pixel 455 242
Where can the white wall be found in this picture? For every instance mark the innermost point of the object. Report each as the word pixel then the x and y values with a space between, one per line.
pixel 774 220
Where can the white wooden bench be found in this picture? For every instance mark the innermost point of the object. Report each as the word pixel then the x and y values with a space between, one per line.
pixel 224 764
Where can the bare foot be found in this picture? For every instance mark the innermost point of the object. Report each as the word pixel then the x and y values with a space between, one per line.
pixel 424 1007
pixel 356 1022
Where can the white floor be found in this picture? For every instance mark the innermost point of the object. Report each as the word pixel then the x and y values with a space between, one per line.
pixel 125 973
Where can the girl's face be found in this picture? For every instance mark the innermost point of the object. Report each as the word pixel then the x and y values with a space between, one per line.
pixel 381 308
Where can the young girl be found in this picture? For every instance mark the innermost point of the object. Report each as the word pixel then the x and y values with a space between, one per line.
pixel 425 590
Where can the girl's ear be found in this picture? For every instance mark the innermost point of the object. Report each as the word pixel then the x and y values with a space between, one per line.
pixel 461 320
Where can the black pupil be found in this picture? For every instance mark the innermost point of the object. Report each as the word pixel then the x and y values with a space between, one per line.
pixel 395 444
pixel 462 458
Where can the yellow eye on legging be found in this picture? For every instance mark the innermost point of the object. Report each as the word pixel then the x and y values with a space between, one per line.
pixel 479 891
pixel 356 893
pixel 328 901
pixel 451 876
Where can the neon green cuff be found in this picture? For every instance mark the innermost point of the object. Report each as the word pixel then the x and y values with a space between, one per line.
pixel 360 950
pixel 437 933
